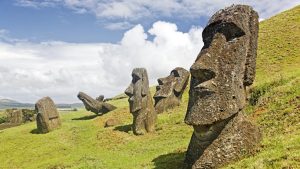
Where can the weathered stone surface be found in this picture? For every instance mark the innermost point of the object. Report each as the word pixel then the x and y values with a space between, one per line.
pixel 220 74
pixel 97 105
pixel 140 102
pixel 111 122
pixel 170 89
pixel 15 116
pixel 47 115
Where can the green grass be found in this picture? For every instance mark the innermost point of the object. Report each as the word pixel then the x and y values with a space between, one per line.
pixel 83 142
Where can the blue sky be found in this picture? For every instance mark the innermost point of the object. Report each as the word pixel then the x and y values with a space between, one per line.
pixel 57 48
pixel 52 23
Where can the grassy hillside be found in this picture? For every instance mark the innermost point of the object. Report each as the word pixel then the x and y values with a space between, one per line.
pixel 83 142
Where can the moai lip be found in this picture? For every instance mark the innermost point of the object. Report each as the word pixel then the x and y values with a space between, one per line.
pixel 170 89
pixel 219 76
pixel 47 115
pixel 97 105
pixel 140 102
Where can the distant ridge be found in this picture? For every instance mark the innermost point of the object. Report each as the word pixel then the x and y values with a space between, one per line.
pixel 9 103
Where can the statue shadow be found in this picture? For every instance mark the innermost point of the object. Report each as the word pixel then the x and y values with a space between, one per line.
pixel 86 117
pixel 125 128
pixel 171 160
pixel 35 131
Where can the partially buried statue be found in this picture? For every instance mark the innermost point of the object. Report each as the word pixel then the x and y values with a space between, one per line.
pixel 97 106
pixel 170 89
pixel 220 74
pixel 47 118
pixel 140 102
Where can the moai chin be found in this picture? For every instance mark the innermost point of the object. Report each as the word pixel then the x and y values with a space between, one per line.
pixel 47 118
pixel 219 76
pixel 140 102
pixel 170 89
pixel 97 105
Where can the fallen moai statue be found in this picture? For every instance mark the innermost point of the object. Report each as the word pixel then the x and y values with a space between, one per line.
pixel 219 76
pixel 170 89
pixel 140 102
pixel 47 118
pixel 97 106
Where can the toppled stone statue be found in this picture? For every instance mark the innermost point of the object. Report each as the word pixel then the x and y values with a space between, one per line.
pixel 220 74
pixel 47 118
pixel 97 105
pixel 140 102
pixel 170 89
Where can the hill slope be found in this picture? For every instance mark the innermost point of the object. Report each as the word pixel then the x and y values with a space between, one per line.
pixel 82 142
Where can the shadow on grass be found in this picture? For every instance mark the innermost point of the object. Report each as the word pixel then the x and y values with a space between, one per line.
pixel 86 117
pixel 171 160
pixel 125 128
pixel 35 131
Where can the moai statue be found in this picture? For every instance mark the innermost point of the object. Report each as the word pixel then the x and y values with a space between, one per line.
pixel 97 105
pixel 140 102
pixel 170 89
pixel 220 74
pixel 47 118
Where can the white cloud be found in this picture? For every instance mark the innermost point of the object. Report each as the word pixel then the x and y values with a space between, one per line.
pixel 133 10
pixel 118 25
pixel 29 71
pixel 37 3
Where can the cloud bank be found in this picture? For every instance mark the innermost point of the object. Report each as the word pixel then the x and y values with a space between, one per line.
pixel 29 71
pixel 122 12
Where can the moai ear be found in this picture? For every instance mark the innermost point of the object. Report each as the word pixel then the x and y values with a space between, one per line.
pixel 251 53
pixel 145 83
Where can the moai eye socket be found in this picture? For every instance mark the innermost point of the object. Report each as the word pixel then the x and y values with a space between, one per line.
pixel 229 30
pixel 160 81
pixel 202 74
pixel 135 78
pixel 175 73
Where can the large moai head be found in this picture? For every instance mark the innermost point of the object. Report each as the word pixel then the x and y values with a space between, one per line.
pixel 224 67
pixel 47 115
pixel 219 76
pixel 170 89
pixel 140 102
pixel 97 105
